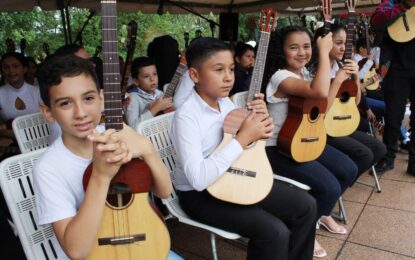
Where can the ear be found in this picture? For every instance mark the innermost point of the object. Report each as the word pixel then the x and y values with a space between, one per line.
pixel 194 75
pixel 237 59
pixel 47 113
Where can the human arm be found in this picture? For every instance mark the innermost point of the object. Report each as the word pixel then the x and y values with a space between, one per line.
pixel 134 111
pixel 319 86
pixel 77 234
pixel 160 105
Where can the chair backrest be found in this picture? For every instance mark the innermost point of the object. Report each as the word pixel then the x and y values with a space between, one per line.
pixel 31 131
pixel 239 99
pixel 17 186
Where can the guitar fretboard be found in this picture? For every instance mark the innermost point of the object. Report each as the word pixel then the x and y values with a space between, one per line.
pixel 351 20
pixel 258 73
pixel 171 89
pixel 111 67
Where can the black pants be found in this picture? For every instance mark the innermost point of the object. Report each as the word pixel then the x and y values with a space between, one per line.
pixel 282 226
pixel 365 150
pixel 397 91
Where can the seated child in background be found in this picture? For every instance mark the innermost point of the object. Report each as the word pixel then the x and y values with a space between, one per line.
pixel 71 95
pixel 145 100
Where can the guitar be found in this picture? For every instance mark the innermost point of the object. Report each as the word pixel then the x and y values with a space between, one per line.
pixel 303 136
pixel 403 29
pixel 369 81
pixel 246 182
pixel 98 50
pixel 132 35
pixel 130 228
pixel 171 89
pixel 343 117
pixel 23 45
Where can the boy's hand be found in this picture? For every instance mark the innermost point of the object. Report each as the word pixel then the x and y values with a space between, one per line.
pixel 109 153
pixel 161 104
pixel 258 105
pixel 254 127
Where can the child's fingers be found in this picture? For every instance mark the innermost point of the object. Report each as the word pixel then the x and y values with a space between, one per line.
pixel 101 137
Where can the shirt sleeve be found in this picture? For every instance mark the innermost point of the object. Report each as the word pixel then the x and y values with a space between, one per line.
pixel 386 13
pixel 133 113
pixel 200 172
pixel 365 69
pixel 53 203
pixel 275 82
pixel 183 90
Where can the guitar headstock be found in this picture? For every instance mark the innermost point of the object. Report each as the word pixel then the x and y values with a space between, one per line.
pixel 351 5
pixel 364 19
pixel 23 45
pixel 326 9
pixel 132 34
pixel 268 20
pixel 46 48
pixel 10 45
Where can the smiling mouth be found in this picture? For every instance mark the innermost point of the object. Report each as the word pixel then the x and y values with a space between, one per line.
pixel 84 126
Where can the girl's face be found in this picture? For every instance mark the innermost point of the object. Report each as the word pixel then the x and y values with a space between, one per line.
pixel 13 71
pixel 297 50
pixel 339 45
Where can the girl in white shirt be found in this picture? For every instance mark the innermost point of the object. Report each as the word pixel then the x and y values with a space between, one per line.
pixel 328 180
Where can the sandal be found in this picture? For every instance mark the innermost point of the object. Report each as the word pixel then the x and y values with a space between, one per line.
pixel 339 230
pixel 319 251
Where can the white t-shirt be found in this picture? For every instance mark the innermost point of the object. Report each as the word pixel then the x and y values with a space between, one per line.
pixel 30 96
pixel 277 106
pixel 58 186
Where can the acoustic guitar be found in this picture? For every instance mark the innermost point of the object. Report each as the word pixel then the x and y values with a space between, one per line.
pixel 250 178
pixel 303 135
pixel 403 29
pixel 343 116
pixel 130 228
pixel 370 82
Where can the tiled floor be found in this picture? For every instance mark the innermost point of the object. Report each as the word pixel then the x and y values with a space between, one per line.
pixel 381 225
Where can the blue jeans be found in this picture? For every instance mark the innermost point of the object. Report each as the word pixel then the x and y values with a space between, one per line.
pixel 328 176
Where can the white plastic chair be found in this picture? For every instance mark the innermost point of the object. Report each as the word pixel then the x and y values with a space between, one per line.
pixel 31 131
pixel 239 99
pixel 17 186
pixel 157 129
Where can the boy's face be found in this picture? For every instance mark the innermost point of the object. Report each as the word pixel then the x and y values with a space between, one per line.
pixel 214 78
pixel 76 105
pixel 247 60
pixel 147 79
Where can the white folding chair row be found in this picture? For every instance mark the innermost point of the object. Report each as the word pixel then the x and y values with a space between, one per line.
pixel 31 131
pixel 17 187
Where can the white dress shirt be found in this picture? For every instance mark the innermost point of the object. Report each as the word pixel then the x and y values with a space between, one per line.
pixel 197 130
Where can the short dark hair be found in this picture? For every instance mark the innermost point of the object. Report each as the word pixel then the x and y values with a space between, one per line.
pixel 52 71
pixel 361 42
pixel 140 62
pixel 68 49
pixel 17 56
pixel 202 48
pixel 241 48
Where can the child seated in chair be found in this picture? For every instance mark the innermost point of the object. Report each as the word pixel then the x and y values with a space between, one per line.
pixel 69 89
pixel 145 99
pixel 282 225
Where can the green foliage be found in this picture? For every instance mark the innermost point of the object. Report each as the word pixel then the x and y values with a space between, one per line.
pixel 39 27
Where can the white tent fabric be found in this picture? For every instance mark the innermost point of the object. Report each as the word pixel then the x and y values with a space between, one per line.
pixel 200 6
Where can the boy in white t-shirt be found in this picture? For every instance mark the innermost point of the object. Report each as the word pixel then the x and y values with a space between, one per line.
pixel 71 95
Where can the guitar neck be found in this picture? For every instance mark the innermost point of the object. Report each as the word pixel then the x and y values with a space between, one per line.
pixel 111 66
pixel 171 89
pixel 258 73
pixel 351 20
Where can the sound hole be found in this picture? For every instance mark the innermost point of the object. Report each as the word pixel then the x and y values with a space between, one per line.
pixel 344 97
pixel 119 195
pixel 314 112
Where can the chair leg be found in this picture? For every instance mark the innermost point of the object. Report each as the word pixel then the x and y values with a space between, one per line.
pixel 341 214
pixel 213 244
pixel 375 176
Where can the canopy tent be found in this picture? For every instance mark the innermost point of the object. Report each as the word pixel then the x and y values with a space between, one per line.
pixel 199 6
